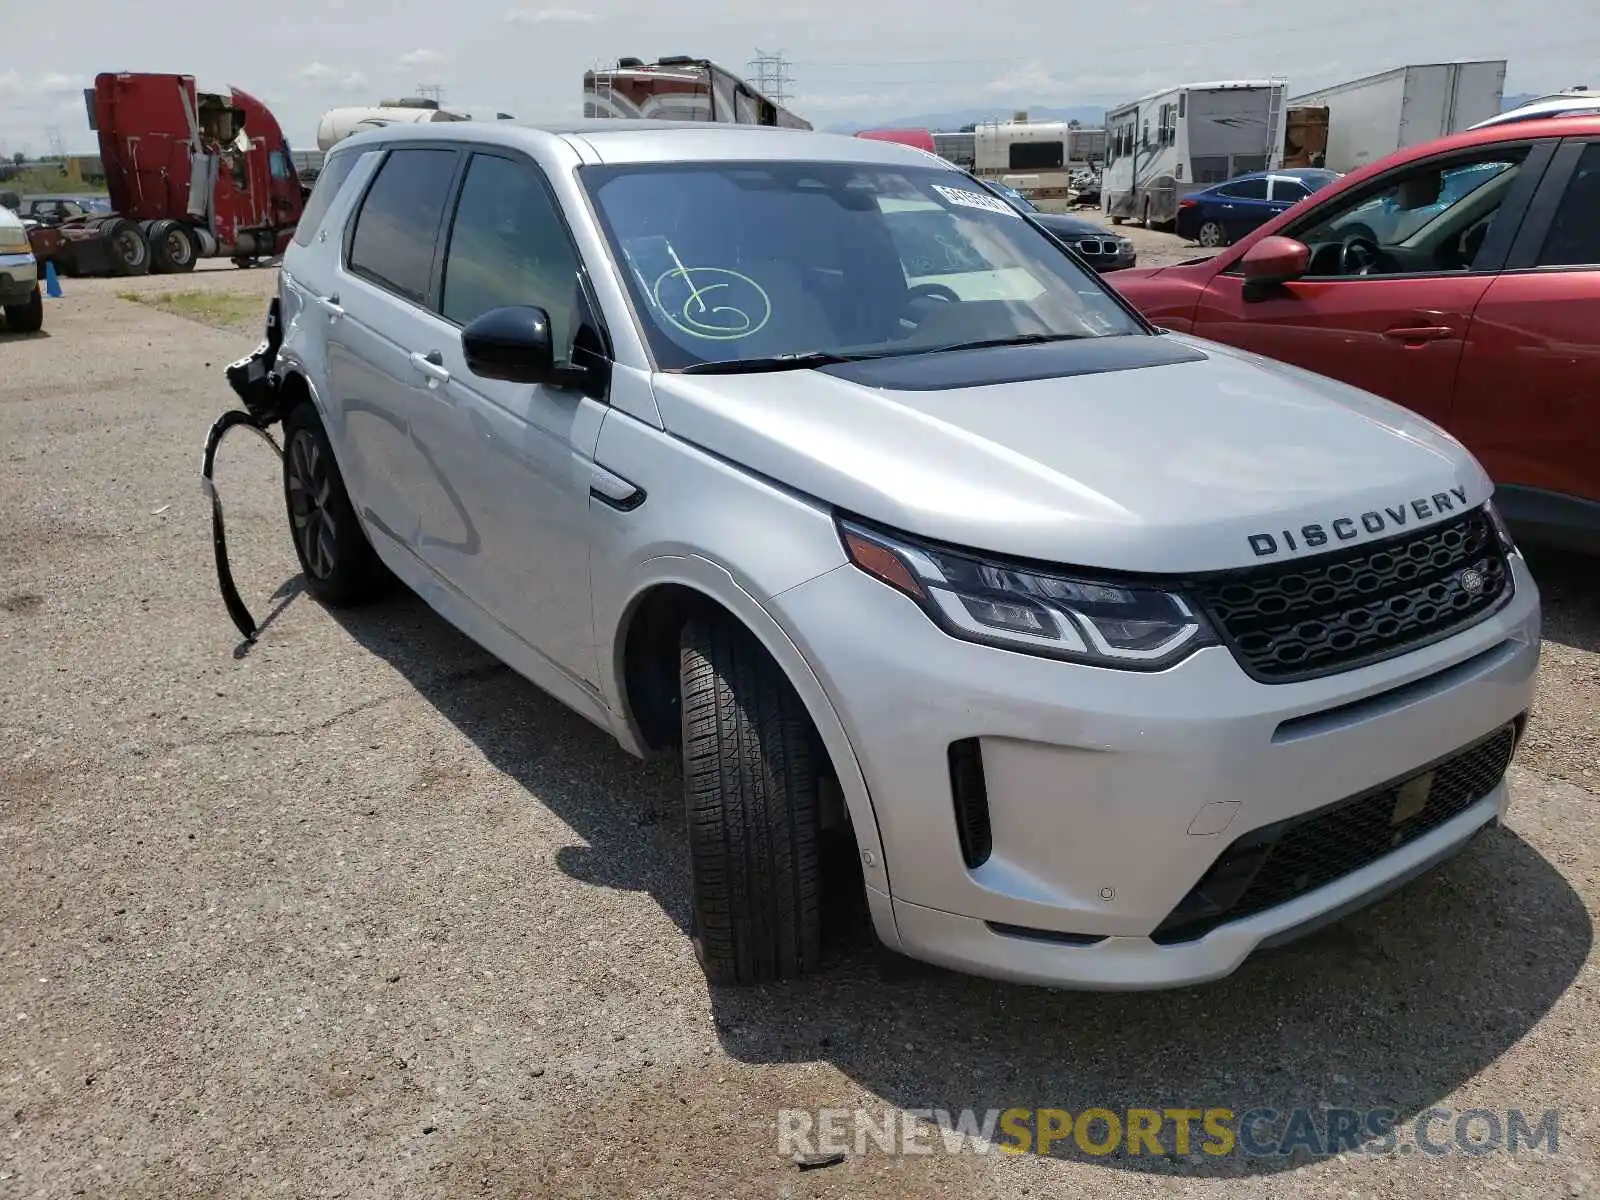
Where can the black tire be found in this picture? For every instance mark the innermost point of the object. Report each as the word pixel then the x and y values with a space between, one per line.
pixel 173 248
pixel 751 783
pixel 26 318
pixel 341 567
pixel 1212 235
pixel 130 253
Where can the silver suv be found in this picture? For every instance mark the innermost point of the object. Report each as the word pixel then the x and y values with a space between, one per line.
pixel 1112 655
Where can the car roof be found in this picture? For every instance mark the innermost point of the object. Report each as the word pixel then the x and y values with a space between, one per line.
pixel 621 140
pixel 1576 104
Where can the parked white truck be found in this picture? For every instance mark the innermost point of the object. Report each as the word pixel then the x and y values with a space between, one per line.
pixel 1375 116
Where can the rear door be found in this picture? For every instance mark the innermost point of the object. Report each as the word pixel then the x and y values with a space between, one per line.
pixel 377 321
pixel 1241 206
pixel 1528 401
pixel 1390 318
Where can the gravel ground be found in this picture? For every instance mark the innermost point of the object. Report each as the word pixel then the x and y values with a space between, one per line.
pixel 357 912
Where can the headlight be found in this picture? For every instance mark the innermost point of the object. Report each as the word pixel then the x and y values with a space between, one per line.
pixel 1501 529
pixel 1104 622
pixel 14 241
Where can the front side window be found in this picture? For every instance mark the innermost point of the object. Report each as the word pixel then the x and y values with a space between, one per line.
pixel 734 261
pixel 1289 189
pixel 1574 237
pixel 1244 189
pixel 508 246
pixel 1425 218
pixel 399 220
pixel 278 164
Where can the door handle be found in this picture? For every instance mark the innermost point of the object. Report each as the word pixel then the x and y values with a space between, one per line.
pixel 331 305
pixel 1419 333
pixel 432 365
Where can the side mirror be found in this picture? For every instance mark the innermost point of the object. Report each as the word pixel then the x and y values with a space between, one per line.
pixel 513 344
pixel 1275 260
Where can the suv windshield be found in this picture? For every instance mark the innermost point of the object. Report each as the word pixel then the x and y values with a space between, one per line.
pixel 732 262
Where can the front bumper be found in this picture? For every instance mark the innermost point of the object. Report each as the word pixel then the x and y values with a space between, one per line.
pixel 19 275
pixel 1110 794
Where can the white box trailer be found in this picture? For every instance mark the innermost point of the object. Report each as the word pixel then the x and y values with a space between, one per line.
pixel 1371 117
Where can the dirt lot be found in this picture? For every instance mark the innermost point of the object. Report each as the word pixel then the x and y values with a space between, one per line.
pixel 357 912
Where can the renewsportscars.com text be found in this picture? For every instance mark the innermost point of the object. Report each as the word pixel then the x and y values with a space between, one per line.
pixel 1134 1132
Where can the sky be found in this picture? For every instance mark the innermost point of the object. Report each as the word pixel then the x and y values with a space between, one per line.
pixel 864 61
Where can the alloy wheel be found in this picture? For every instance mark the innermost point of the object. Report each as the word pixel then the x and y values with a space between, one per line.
pixel 316 533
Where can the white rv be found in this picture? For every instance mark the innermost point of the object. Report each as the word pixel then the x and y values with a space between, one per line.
pixel 1037 158
pixel 1165 145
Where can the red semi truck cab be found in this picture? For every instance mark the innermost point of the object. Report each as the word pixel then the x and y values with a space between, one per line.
pixel 215 165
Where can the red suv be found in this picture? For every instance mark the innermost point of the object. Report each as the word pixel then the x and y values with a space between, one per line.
pixel 1460 279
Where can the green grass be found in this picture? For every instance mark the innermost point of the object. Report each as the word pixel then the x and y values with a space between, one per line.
pixel 47 180
pixel 224 310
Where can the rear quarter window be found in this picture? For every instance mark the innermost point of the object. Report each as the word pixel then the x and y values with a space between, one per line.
pixel 323 193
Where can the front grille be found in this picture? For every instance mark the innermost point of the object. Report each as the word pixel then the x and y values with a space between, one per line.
pixel 1095 246
pixel 1346 609
pixel 1272 865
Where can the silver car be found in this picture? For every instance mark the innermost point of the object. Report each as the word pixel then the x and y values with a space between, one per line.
pixel 1112 655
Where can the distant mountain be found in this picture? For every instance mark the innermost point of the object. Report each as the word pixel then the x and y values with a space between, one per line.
pixel 1091 115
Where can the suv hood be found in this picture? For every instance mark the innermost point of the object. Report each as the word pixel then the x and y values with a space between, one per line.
pixel 1154 454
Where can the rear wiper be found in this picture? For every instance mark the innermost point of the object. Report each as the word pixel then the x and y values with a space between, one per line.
pixel 774 362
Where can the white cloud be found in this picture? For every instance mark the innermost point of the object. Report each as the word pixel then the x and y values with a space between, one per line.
pixel 1029 78
pixel 321 75
pixel 54 81
pixel 421 58
pixel 544 16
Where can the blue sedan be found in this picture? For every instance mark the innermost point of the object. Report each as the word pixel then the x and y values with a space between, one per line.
pixel 1227 211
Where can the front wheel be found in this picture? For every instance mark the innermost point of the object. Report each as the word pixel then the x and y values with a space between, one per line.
pixel 752 786
pixel 341 567
pixel 26 318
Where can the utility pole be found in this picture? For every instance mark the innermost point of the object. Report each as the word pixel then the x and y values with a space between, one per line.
pixel 431 91
pixel 770 75
pixel 58 147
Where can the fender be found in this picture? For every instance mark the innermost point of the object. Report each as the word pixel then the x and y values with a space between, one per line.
pixel 715 583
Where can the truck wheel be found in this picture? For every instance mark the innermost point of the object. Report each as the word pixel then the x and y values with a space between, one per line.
pixel 130 253
pixel 340 565
pixel 26 318
pixel 1212 234
pixel 173 247
pixel 751 783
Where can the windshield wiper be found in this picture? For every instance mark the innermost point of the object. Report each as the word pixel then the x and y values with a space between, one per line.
pixel 774 362
pixel 1020 339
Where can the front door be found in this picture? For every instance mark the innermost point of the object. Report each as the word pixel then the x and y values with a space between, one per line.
pixel 1388 316
pixel 520 457
pixel 1528 402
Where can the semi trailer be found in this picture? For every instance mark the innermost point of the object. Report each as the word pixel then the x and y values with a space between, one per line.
pixel 1372 117
pixel 190 175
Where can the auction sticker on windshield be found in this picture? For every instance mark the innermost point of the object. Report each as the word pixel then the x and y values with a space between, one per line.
pixel 976 200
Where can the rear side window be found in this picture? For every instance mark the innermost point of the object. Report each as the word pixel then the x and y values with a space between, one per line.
pixel 399 220
pixel 334 172
pixel 1574 237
